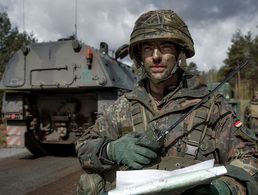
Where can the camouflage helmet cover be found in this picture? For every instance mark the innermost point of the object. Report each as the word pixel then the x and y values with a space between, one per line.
pixel 164 25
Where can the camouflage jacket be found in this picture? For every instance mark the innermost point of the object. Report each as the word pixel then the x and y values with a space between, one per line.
pixel 210 132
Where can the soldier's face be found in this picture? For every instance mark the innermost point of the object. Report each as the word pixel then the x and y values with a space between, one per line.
pixel 159 59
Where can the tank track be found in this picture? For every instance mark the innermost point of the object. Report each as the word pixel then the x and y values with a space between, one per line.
pixel 33 145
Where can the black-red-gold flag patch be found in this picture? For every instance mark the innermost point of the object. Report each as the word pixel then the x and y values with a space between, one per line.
pixel 238 124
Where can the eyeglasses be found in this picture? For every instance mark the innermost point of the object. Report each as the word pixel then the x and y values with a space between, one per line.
pixel 163 47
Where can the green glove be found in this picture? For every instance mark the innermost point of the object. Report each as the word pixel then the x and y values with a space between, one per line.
pixel 133 150
pixel 221 187
pixel 217 187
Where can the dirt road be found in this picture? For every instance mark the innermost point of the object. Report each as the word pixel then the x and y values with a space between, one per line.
pixel 25 174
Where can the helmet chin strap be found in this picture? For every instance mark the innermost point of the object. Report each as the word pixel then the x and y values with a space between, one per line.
pixel 181 62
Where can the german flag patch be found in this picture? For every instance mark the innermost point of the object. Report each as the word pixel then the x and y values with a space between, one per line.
pixel 238 124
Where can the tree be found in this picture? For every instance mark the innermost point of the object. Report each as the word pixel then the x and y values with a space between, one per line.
pixel 192 68
pixel 243 47
pixel 11 40
pixel 211 75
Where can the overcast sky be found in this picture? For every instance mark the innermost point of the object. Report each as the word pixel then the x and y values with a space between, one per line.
pixel 211 22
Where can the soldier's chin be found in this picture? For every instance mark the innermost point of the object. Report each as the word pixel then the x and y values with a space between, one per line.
pixel 157 78
pixel 156 81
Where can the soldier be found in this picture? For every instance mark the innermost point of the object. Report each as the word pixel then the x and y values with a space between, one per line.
pixel 160 43
pixel 251 114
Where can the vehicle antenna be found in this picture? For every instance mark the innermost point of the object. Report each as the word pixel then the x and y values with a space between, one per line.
pixel 23 16
pixel 75 16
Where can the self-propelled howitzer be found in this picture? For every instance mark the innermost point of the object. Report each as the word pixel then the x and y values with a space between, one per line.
pixel 53 91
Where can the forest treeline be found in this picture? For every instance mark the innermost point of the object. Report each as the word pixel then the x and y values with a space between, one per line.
pixel 244 47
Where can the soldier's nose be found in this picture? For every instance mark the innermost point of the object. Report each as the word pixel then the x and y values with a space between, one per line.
pixel 156 56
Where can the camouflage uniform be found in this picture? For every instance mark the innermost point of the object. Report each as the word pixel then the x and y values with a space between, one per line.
pixel 220 139
pixel 210 132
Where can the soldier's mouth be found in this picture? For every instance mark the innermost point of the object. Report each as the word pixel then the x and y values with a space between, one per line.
pixel 157 68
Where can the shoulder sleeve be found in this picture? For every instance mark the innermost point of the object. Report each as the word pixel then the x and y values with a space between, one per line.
pixel 236 145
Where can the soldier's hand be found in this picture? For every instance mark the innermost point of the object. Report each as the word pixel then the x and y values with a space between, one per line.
pixel 133 150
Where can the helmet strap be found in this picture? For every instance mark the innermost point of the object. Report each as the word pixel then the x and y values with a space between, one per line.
pixel 182 59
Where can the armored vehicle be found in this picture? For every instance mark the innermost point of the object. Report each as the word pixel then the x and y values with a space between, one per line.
pixel 251 113
pixel 53 91
pixel 227 91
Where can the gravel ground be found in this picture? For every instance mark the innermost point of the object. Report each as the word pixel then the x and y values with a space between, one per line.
pixel 24 174
pixel 9 152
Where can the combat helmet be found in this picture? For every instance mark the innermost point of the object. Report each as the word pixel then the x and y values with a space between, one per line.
pixel 163 25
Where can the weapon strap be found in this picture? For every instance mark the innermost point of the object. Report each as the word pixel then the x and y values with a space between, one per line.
pixel 196 129
pixel 139 117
